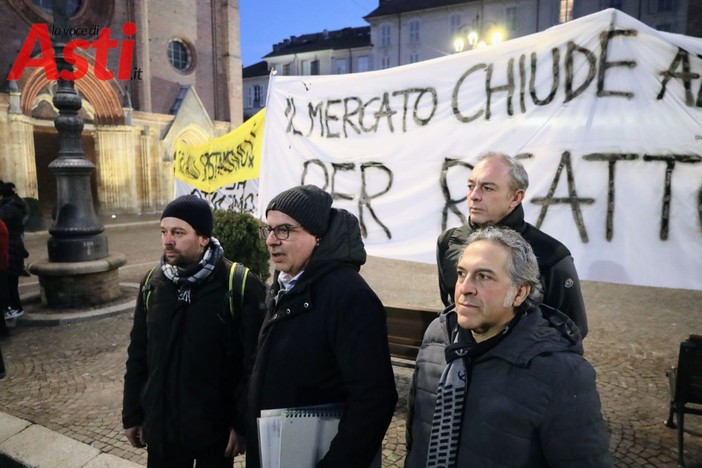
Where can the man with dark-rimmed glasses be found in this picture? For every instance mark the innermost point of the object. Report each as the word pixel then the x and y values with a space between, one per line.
pixel 324 339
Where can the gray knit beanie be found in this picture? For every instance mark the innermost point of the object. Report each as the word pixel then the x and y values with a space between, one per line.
pixel 307 204
pixel 193 210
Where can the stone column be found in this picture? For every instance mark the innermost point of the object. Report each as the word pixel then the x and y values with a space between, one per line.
pixel 167 180
pixel 232 63
pixel 116 169
pixel 24 172
pixel 20 162
pixel 143 51
pixel 148 169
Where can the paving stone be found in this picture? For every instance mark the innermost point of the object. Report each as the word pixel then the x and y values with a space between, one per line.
pixel 110 461
pixel 39 446
pixel 69 377
pixel 10 425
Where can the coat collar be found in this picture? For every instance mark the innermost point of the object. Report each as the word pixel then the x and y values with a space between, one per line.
pixel 542 330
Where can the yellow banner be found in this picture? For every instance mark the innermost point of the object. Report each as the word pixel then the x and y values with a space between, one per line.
pixel 231 158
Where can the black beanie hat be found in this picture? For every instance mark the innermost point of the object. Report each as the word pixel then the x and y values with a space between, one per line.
pixel 193 210
pixel 309 205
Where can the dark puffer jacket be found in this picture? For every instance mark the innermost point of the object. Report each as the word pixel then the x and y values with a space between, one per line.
pixel 12 212
pixel 326 342
pixel 558 275
pixel 187 365
pixel 532 400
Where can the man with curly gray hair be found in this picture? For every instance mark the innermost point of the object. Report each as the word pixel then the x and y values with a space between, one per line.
pixel 501 380
pixel 496 189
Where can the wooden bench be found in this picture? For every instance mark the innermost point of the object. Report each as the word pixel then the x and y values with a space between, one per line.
pixel 406 327
pixel 685 388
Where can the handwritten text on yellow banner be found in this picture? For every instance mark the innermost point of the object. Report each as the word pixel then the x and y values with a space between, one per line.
pixel 231 158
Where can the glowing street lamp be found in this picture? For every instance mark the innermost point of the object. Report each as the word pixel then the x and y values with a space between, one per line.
pixel 472 38
pixel 497 36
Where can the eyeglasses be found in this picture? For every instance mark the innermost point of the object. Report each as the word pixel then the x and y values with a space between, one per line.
pixel 281 232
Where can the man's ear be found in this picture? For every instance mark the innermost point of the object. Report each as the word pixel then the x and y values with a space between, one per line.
pixel 204 241
pixel 522 295
pixel 517 198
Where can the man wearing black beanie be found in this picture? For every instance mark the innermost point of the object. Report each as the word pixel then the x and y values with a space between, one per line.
pixel 192 346
pixel 325 338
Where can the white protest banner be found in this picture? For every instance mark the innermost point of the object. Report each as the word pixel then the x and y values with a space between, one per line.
pixel 605 112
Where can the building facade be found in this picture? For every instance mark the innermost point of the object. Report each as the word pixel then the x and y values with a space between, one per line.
pixel 256 88
pixel 345 50
pixel 173 73
pixel 327 53
pixel 408 31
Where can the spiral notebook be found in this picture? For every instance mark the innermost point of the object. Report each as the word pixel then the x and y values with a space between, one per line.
pixel 297 437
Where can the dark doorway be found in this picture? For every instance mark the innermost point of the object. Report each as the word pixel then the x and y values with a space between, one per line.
pixel 46 146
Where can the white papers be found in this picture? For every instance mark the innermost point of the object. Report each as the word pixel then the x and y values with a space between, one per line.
pixel 296 437
pixel 269 440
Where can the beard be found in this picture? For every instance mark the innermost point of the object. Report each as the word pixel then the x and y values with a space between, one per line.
pixel 176 259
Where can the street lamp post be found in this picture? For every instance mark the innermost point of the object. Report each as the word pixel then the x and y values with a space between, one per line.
pixel 79 271
pixel 76 234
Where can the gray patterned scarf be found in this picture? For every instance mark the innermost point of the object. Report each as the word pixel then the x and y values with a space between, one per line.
pixel 453 386
pixel 196 274
pixel 448 412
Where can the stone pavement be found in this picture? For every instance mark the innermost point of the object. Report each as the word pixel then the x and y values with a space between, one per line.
pixel 62 394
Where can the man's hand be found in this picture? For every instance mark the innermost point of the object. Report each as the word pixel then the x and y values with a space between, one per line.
pixel 135 436
pixel 236 445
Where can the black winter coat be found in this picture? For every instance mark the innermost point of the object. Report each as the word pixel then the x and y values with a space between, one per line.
pixel 326 342
pixel 188 364
pixel 12 212
pixel 532 400
pixel 558 275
